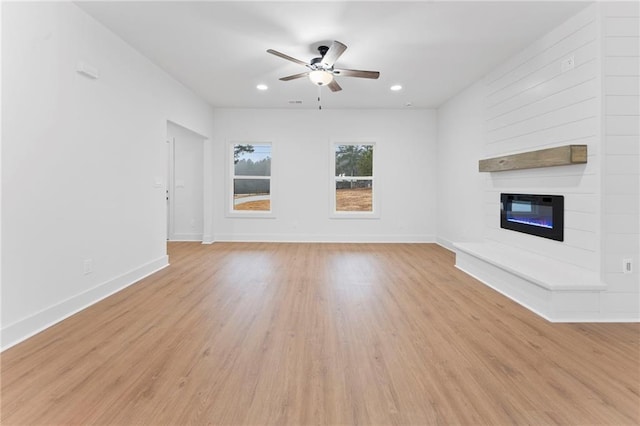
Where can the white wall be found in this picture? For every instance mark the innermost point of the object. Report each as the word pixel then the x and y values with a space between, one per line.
pixel 530 103
pixel 405 171
pixel 460 187
pixel 621 139
pixel 186 183
pixel 525 104
pixel 83 163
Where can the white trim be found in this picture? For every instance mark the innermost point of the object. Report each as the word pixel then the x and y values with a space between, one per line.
pixel 21 330
pixel 375 183
pixel 170 188
pixel 186 237
pixel 229 173
pixel 316 238
pixel 445 243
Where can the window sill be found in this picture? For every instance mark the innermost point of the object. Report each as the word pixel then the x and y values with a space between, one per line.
pixel 354 215
pixel 251 215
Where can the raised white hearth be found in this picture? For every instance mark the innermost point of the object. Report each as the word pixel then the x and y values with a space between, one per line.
pixel 555 290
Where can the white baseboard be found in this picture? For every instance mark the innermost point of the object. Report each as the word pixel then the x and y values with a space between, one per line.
pixel 448 244
pixel 186 237
pixel 34 324
pixel 315 238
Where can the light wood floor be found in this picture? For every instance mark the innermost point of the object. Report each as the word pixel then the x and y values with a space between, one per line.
pixel 253 334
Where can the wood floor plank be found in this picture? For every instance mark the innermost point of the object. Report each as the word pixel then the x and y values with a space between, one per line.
pixel 326 334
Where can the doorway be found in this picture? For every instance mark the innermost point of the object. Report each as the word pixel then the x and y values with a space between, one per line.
pixel 185 179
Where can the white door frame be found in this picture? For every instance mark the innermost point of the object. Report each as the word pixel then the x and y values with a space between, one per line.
pixel 170 187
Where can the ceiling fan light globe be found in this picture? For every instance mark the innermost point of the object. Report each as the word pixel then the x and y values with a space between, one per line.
pixel 320 77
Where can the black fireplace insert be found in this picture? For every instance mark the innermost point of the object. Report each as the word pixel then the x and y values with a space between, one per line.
pixel 540 215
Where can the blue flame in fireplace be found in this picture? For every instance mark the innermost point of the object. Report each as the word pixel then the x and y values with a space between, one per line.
pixel 542 222
pixel 528 213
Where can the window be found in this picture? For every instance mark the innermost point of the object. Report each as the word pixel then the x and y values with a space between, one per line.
pixel 251 178
pixel 352 183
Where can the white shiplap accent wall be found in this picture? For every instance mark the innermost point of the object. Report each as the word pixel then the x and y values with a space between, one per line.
pixel 532 104
pixel 621 140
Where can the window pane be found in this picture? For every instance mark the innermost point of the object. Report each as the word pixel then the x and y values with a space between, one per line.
pixel 252 194
pixel 252 160
pixel 354 160
pixel 354 195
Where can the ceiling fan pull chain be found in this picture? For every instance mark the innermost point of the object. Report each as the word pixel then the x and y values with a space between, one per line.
pixel 319 101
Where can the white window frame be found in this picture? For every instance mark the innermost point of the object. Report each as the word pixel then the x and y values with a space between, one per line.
pixel 375 182
pixel 230 212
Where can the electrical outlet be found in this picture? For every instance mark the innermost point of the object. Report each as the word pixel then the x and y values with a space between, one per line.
pixel 627 266
pixel 88 266
pixel 567 64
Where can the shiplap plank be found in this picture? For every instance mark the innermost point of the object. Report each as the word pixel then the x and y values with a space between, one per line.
pixel 622 85
pixel 622 223
pixel 580 220
pixel 558 250
pixel 622 125
pixel 541 76
pixel 585 203
pixel 622 26
pixel 624 242
pixel 622 46
pixel 622 105
pixel 555 117
pixel 621 8
pixel 622 145
pixel 581 75
pixel 579 129
pixel 578 238
pixel 622 164
pixel 568 46
pixel 577 184
pixel 621 204
pixel 572 95
pixel 627 183
pixel 622 66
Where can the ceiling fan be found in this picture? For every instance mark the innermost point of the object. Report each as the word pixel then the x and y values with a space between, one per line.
pixel 321 71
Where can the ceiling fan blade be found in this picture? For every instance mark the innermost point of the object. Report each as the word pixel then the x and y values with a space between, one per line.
pixel 287 57
pixel 294 76
pixel 334 86
pixel 333 54
pixel 357 73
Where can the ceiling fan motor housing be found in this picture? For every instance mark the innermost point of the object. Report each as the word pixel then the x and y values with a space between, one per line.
pixel 321 70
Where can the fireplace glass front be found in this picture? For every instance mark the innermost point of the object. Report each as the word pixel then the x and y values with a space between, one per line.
pixel 540 215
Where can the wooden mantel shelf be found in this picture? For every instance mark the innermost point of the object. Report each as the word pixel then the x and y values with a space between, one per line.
pixel 559 156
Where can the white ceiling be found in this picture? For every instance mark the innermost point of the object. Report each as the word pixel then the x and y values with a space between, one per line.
pixel 433 49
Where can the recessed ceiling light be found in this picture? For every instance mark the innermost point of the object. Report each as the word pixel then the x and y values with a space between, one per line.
pixel 396 87
pixel 262 87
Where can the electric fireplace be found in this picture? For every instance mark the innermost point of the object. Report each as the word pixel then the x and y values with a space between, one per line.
pixel 540 215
